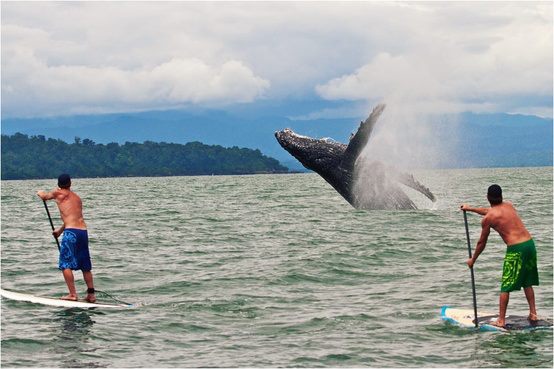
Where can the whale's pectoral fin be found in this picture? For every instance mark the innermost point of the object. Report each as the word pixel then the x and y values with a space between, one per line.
pixel 410 181
pixel 360 139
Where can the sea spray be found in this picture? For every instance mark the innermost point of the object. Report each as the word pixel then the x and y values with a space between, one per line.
pixel 374 184
pixel 408 137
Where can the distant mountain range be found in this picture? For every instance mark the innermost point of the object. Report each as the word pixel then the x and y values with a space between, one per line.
pixel 483 140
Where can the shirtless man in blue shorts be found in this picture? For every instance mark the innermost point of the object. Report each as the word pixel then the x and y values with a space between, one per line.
pixel 74 253
pixel 520 262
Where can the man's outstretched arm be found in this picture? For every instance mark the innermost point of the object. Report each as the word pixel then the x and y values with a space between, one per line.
pixel 47 195
pixel 480 211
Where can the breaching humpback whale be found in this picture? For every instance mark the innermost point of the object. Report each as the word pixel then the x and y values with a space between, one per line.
pixel 364 183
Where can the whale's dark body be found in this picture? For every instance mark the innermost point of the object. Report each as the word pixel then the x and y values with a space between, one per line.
pixel 365 184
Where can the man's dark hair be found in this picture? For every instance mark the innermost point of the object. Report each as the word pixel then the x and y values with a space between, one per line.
pixel 494 194
pixel 64 181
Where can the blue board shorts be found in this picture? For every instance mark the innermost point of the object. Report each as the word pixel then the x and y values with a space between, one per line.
pixel 74 252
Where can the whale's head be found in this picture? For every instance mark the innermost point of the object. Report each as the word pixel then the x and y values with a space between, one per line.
pixel 320 155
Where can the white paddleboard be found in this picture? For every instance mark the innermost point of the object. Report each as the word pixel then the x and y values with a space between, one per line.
pixel 58 302
pixel 465 317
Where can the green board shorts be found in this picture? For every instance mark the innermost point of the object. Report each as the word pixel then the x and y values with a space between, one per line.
pixel 520 267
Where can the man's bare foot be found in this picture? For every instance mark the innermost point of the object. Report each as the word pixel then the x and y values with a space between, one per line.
pixel 69 297
pixel 91 298
pixel 533 317
pixel 498 323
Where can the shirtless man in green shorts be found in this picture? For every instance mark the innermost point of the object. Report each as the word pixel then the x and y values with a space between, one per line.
pixel 520 262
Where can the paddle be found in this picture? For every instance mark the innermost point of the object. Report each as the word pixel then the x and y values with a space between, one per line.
pixel 472 275
pixel 51 223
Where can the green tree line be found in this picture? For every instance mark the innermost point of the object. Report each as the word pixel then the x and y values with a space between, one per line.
pixel 35 157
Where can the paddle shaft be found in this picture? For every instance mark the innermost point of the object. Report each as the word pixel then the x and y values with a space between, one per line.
pixel 471 269
pixel 51 223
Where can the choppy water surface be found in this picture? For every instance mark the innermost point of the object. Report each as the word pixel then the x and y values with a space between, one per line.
pixel 270 270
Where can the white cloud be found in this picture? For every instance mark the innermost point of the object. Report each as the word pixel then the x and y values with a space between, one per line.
pixel 31 86
pixel 105 60
pixel 63 57
pixel 500 54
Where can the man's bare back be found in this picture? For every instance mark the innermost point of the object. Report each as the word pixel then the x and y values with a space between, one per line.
pixel 71 209
pixel 70 206
pixel 503 218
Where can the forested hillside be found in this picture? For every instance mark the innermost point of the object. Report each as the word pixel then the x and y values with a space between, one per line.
pixel 33 157
pixel 467 139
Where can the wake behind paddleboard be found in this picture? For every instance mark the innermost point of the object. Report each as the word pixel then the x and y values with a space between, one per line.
pixel 464 318
pixel 58 302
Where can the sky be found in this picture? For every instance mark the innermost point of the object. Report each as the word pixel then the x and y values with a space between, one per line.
pixel 63 58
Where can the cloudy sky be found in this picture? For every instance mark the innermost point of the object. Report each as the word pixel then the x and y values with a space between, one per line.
pixel 82 57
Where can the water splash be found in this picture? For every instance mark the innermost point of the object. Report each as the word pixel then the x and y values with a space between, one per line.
pixel 405 139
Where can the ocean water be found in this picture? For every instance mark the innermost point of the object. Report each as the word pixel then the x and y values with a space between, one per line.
pixel 270 271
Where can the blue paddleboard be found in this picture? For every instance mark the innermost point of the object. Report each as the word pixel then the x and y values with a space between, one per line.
pixel 465 317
